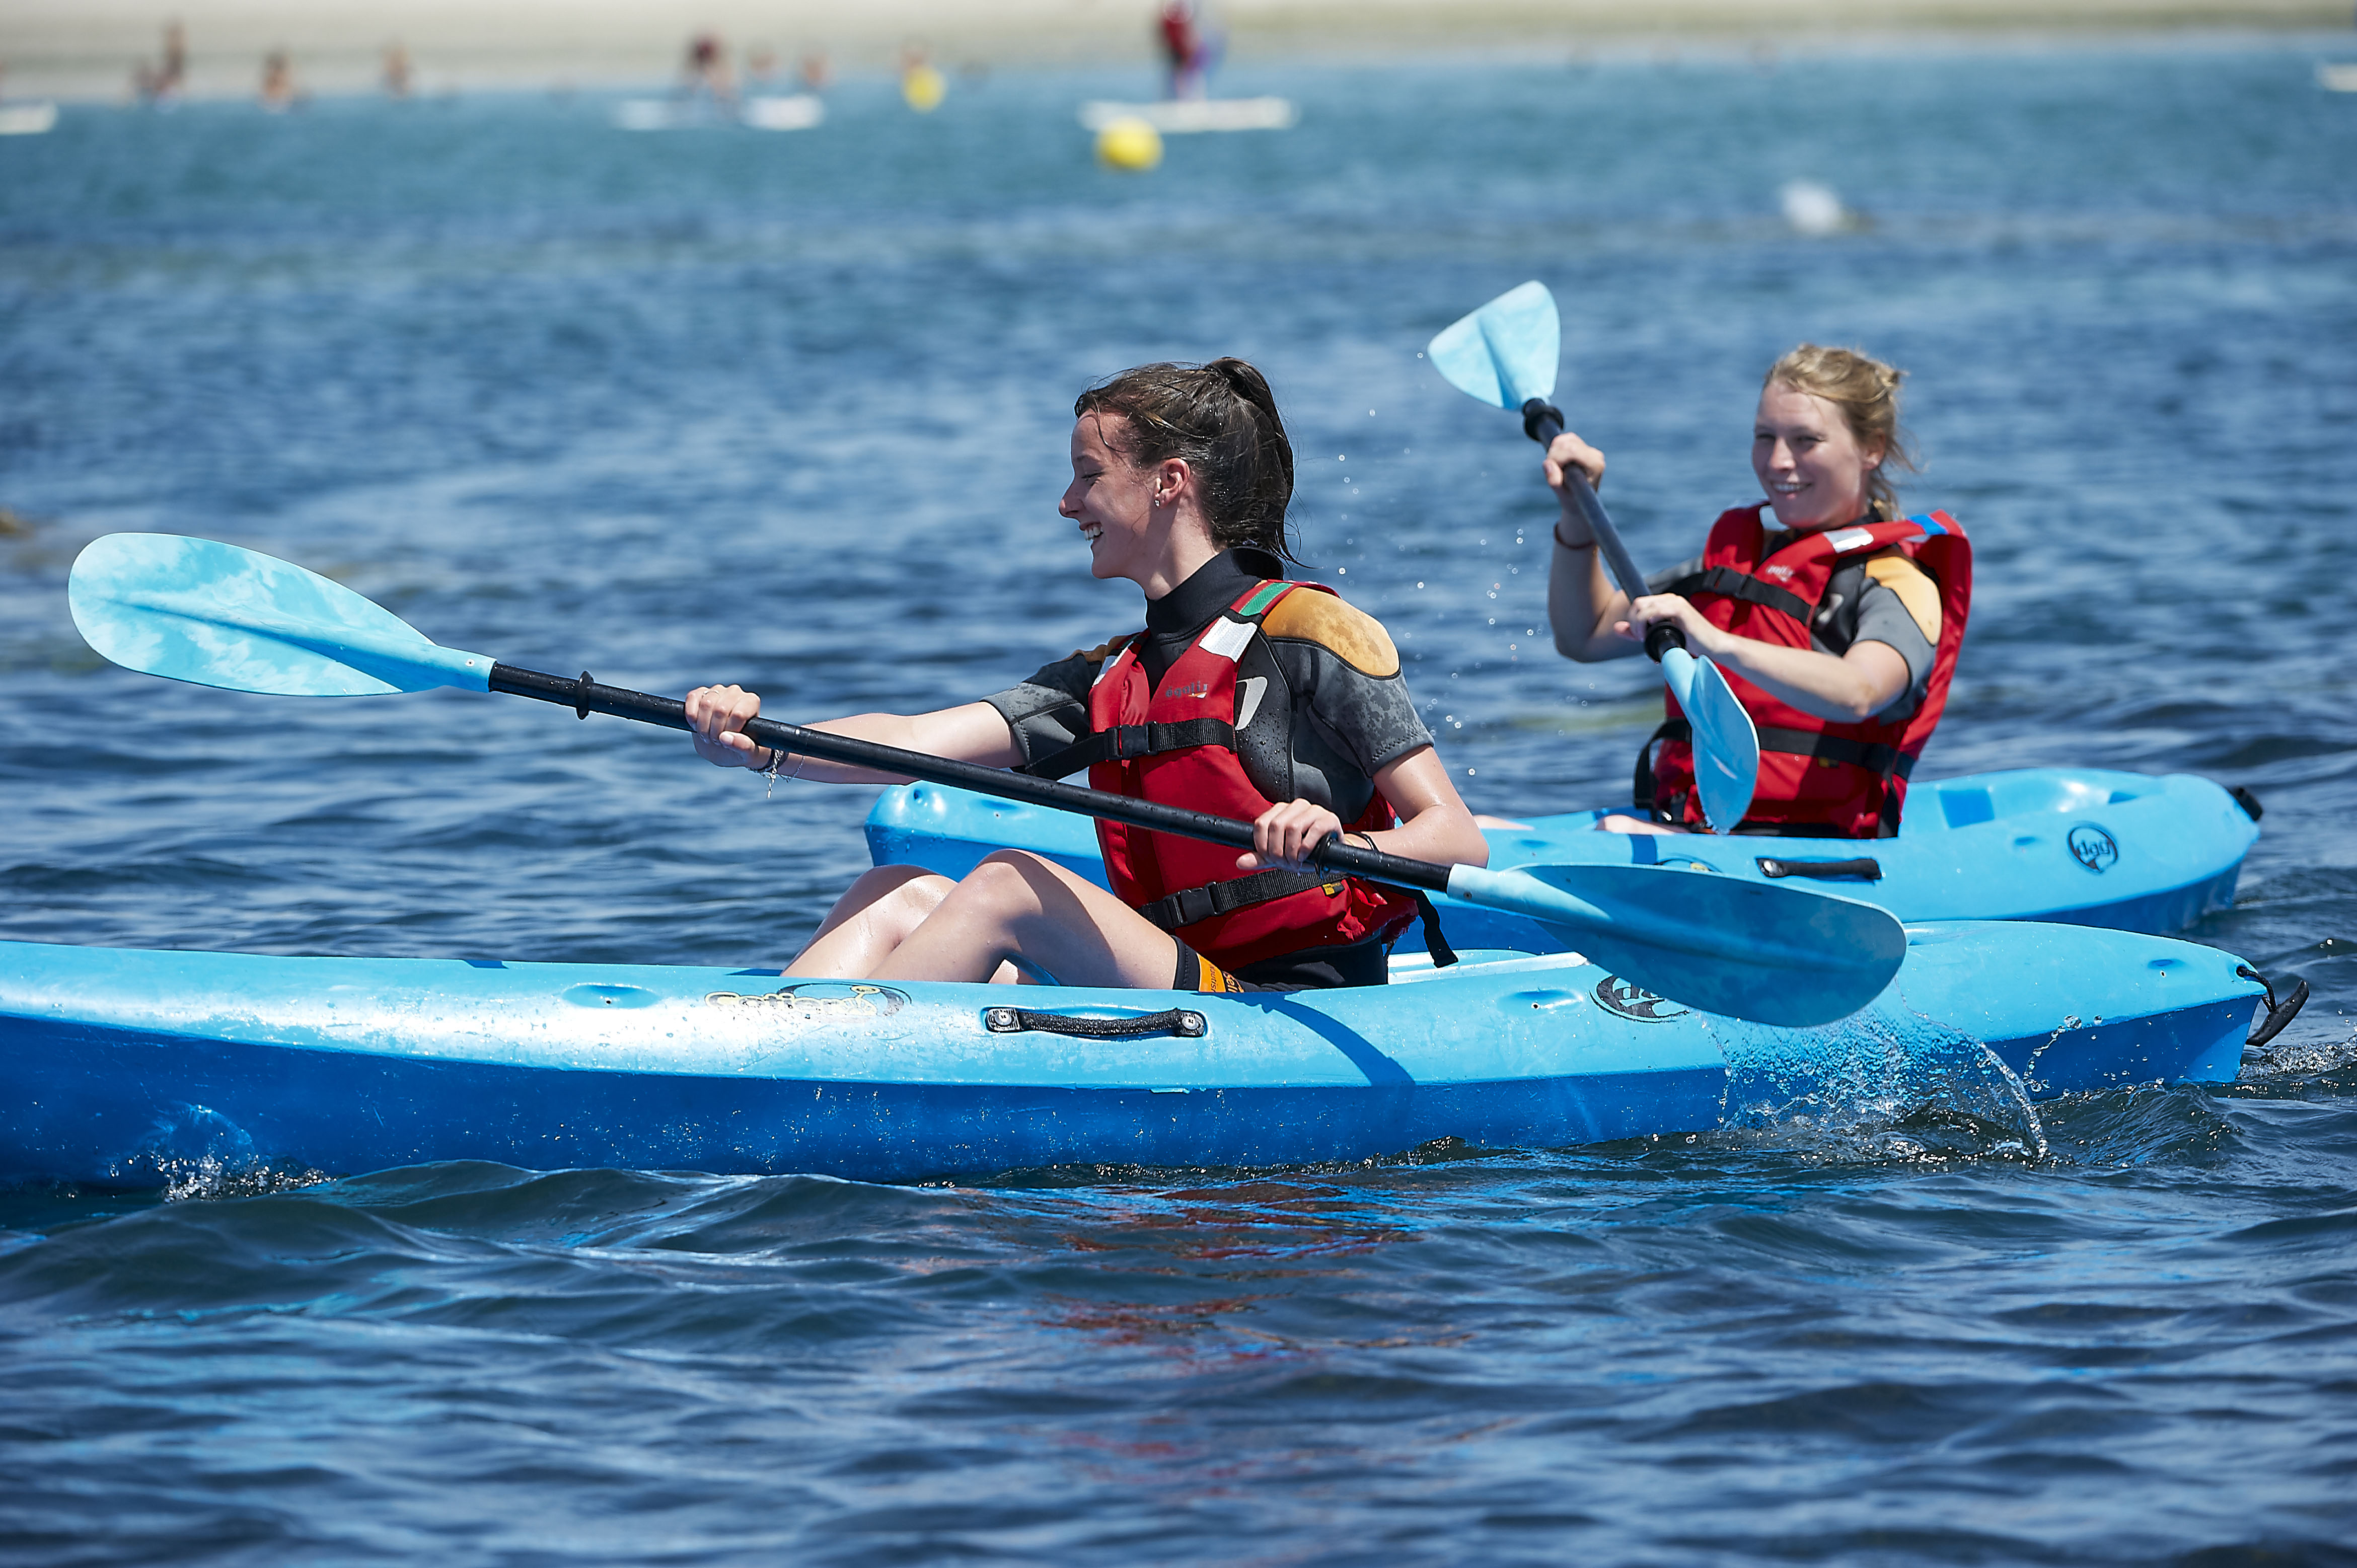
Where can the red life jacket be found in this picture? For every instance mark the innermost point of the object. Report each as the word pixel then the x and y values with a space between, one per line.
pixel 1176 744
pixel 1816 776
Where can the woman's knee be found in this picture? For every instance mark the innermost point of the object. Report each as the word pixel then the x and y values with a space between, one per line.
pixel 906 894
pixel 1011 870
pixel 1619 823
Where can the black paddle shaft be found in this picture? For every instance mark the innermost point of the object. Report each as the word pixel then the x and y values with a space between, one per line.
pixel 585 697
pixel 1543 422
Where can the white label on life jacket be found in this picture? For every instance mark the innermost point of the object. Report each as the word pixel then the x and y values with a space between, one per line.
pixel 1251 689
pixel 1842 539
pixel 1226 639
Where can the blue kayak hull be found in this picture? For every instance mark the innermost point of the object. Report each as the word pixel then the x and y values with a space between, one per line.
pixel 2081 847
pixel 127 1068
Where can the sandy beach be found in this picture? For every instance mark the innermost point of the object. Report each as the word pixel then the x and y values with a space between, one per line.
pixel 88 49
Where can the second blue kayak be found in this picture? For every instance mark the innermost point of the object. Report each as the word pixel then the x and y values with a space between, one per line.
pixel 2084 847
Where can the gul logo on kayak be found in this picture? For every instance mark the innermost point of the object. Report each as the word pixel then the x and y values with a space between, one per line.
pixel 2094 848
pixel 818 994
pixel 1617 997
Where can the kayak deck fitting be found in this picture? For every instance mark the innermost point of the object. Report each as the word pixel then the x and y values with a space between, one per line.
pixel 136 1068
pixel 2078 845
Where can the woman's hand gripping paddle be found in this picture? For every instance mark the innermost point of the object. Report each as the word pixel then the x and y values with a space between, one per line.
pixel 220 616
pixel 1505 354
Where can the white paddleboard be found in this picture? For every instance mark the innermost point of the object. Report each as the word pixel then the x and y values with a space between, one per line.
pixel 796 111
pixel 1184 116
pixel 27 119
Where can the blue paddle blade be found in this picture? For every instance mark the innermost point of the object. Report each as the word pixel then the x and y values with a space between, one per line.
pixel 1725 746
pixel 190 609
pixel 1718 944
pixel 1505 352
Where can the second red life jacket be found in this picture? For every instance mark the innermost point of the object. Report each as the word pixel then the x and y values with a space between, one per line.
pixel 1816 776
pixel 1175 744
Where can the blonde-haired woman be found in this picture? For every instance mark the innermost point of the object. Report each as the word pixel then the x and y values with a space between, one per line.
pixel 1838 626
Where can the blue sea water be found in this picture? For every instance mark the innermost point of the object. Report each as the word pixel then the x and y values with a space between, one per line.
pixel 790 409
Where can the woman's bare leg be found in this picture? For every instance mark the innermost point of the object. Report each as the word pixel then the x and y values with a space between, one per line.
pixel 1016 904
pixel 873 915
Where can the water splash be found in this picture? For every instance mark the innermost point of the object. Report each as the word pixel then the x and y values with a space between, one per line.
pixel 198 1153
pixel 1881 1085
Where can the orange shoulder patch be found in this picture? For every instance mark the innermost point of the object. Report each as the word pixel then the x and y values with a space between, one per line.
pixel 1357 638
pixel 1915 590
pixel 1107 649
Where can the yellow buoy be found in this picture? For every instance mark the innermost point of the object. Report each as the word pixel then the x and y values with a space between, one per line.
pixel 923 86
pixel 1129 144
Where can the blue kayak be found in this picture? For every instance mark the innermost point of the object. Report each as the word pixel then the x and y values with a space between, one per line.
pixel 132 1069
pixel 2078 845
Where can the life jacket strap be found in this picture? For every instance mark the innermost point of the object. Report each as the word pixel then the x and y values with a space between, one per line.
pixel 1885 760
pixel 1730 583
pixel 1123 742
pixel 1185 908
pixel 1872 756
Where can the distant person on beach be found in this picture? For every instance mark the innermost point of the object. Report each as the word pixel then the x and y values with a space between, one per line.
pixel 396 70
pixel 818 71
pixel 164 83
pixel 278 93
pixel 1837 628
pixel 705 73
pixel 1260 700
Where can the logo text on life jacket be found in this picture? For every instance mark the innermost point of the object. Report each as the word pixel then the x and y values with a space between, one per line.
pixel 1617 995
pixel 1784 572
pixel 2094 848
pixel 1193 689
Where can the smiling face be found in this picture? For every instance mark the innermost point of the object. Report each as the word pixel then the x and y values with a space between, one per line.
pixel 1808 461
pixel 1113 500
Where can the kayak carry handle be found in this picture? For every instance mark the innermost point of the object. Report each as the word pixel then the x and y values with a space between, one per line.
pixel 1182 1021
pixel 2270 1023
pixel 1865 867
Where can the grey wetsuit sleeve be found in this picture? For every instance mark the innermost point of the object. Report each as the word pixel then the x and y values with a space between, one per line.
pixel 1049 711
pixel 1369 719
pixel 1655 582
pixel 1882 617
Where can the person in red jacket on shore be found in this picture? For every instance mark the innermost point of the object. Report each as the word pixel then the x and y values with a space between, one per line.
pixel 1838 627
pixel 1246 696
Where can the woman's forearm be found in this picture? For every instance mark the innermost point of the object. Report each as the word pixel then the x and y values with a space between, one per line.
pixel 1582 607
pixel 972 733
pixel 1848 688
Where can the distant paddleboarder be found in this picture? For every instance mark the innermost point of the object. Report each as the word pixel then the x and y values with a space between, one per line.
pixel 1190 48
pixel 1837 627
pixel 1246 696
pixel 704 72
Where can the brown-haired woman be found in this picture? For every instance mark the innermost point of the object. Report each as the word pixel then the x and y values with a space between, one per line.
pixel 1246 696
pixel 1839 628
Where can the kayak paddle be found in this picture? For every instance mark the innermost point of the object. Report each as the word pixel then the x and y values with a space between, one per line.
pixel 1505 354
pixel 218 615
